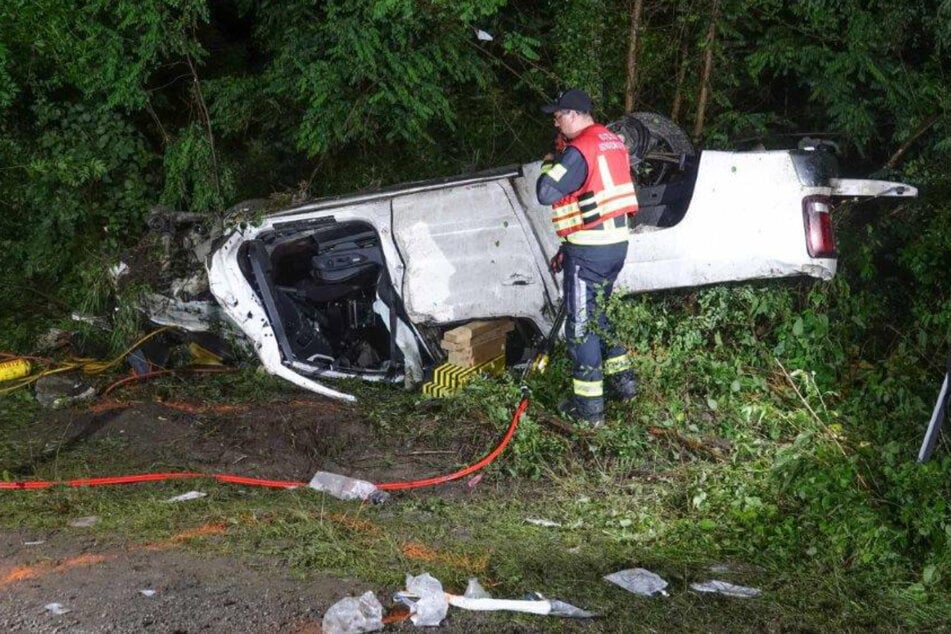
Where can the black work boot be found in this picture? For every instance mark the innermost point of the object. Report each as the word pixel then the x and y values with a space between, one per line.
pixel 621 386
pixel 583 410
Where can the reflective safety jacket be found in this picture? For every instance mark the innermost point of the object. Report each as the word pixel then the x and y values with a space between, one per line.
pixel 597 212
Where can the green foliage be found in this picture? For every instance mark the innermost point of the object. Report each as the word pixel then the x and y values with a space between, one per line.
pixel 108 50
pixel 578 46
pixel 364 72
pixel 193 178
pixel 62 196
pixel 834 56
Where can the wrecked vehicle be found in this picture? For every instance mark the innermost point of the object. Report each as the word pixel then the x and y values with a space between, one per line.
pixel 364 285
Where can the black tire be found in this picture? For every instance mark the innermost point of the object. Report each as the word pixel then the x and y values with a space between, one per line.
pixel 658 147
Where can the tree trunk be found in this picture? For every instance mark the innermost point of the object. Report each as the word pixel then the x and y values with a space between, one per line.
pixel 707 72
pixel 206 119
pixel 630 92
pixel 681 77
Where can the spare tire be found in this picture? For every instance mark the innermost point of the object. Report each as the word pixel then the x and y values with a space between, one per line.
pixel 658 147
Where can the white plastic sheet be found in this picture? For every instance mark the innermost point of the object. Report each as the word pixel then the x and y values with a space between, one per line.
pixel 352 615
pixel 639 581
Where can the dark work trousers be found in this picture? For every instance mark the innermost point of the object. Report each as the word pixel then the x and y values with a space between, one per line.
pixel 588 271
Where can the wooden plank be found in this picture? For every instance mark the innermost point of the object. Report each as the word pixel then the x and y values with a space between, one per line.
pixel 480 353
pixel 475 329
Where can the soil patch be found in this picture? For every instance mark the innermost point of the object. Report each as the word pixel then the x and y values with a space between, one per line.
pixel 135 588
pixel 281 440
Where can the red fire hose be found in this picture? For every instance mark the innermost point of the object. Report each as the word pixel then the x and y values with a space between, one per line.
pixel 276 484
pixel 538 363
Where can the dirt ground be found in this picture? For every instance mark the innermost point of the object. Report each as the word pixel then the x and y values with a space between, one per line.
pixel 143 587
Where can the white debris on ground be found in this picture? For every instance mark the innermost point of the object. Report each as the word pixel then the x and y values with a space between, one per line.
pixel 343 487
pixel 351 615
pixel 475 590
pixel 639 581
pixel 542 522
pixel 84 522
pixel 426 599
pixel 56 608
pixel 147 592
pixel 726 588
pixel 429 604
pixel 184 497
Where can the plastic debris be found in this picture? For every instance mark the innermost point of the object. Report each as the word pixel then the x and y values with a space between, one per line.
pixel 35 543
pixel 537 605
pixel 483 36
pixel 84 522
pixel 429 604
pixel 542 522
pixel 147 592
pixel 99 322
pixel 426 600
pixel 346 488
pixel 724 587
pixel 639 581
pixel 184 497
pixel 351 615
pixel 58 391
pixel 56 608
pixel 118 270
pixel 475 590
pixel 53 339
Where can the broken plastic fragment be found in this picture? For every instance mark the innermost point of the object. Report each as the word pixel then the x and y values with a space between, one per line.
pixel 425 598
pixel 345 488
pixel 184 497
pixel 118 270
pixel 723 587
pixel 148 592
pixel 34 543
pixel 84 522
pixel 475 590
pixel 639 581
pixel 542 607
pixel 56 608
pixel 542 522
pixel 353 616
pixel 483 36
pixel 560 608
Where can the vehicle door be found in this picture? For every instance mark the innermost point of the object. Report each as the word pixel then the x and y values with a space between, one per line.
pixel 467 254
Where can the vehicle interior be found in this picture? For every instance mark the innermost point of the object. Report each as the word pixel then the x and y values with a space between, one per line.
pixel 324 285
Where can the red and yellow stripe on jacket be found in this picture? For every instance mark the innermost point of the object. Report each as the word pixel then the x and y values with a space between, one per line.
pixel 597 212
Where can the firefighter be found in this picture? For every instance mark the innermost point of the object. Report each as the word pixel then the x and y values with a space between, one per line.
pixel 587 182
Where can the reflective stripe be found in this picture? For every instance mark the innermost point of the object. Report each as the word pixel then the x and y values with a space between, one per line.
pixel 589 389
pixel 607 193
pixel 606 180
pixel 591 210
pixel 596 236
pixel 617 364
pixel 622 204
pixel 557 171
pixel 579 294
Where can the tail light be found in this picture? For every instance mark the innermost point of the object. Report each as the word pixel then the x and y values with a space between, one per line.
pixel 817 218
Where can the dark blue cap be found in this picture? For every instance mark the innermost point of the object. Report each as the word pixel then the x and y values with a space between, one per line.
pixel 571 99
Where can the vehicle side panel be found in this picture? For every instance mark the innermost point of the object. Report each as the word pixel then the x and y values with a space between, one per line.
pixel 467 255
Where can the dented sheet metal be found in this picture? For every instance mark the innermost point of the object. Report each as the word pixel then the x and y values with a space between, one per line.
pixel 467 254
